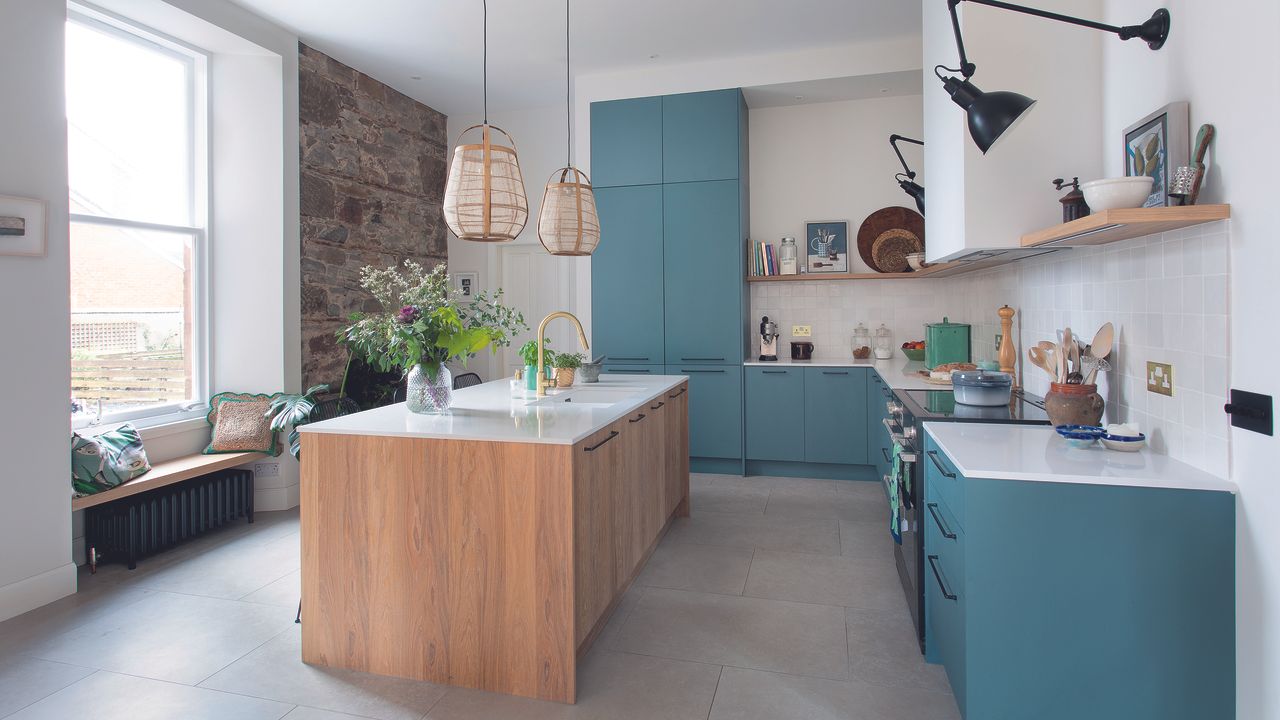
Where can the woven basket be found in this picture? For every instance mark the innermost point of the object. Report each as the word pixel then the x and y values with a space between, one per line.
pixel 484 198
pixel 564 377
pixel 568 223
pixel 892 247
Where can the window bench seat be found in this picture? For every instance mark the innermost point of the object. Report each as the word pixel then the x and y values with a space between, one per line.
pixel 167 473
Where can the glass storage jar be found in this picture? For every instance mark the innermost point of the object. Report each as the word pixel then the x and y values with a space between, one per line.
pixel 787 257
pixel 883 343
pixel 861 342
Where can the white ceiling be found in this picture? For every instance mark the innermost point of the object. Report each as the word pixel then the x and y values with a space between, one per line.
pixel 439 40
pixel 857 87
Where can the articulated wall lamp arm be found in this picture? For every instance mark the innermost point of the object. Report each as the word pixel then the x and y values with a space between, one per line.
pixel 893 140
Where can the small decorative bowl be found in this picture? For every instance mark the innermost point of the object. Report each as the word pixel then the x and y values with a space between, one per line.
pixel 1080 436
pixel 917 355
pixel 1124 443
pixel 1116 193
pixel 916 261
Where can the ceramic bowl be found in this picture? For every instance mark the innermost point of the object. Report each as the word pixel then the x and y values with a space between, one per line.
pixel 1124 443
pixel 1116 193
pixel 1080 436
pixel 916 355
pixel 916 261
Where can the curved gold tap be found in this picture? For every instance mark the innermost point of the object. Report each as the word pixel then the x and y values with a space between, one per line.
pixel 542 328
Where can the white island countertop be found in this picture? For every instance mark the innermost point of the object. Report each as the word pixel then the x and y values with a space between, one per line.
pixel 1036 453
pixel 900 372
pixel 488 413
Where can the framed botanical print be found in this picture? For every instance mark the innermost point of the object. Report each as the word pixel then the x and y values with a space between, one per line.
pixel 1156 146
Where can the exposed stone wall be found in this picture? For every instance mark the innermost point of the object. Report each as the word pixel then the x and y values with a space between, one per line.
pixel 373 175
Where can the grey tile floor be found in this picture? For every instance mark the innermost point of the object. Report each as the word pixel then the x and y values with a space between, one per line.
pixel 777 599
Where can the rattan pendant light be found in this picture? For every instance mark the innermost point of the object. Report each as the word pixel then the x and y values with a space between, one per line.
pixel 568 223
pixel 484 197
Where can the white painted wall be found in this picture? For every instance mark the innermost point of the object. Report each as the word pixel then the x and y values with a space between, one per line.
pixel 828 161
pixel 35 515
pixel 1222 58
pixel 990 201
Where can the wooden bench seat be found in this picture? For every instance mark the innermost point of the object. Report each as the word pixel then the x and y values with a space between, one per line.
pixel 168 473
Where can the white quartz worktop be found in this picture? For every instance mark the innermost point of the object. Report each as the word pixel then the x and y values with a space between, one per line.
pixel 488 413
pixel 900 372
pixel 1037 453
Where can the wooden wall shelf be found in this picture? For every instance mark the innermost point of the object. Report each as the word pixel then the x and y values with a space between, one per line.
pixel 1115 225
pixel 916 275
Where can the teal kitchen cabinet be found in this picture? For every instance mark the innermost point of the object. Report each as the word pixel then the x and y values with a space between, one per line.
pixel 1060 601
pixel 702 256
pixel 879 444
pixel 626 142
pixel 775 413
pixel 703 135
pixel 835 415
pixel 715 410
pixel 626 277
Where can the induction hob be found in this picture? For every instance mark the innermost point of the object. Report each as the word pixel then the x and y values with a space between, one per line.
pixel 941 405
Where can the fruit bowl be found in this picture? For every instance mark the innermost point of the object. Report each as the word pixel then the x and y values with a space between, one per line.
pixel 916 354
pixel 1116 193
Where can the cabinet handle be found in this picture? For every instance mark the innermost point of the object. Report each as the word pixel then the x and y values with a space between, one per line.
pixel 719 359
pixel 655 407
pixel 933 565
pixel 933 455
pixel 701 371
pixel 885 451
pixel 642 416
pixel 633 371
pixel 877 379
pixel 833 372
pixel 775 372
pixel 933 510
pixel 622 359
pixel 612 434
pixel 683 390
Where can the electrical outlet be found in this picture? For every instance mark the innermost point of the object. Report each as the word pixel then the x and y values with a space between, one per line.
pixel 1160 378
pixel 266 469
pixel 801 331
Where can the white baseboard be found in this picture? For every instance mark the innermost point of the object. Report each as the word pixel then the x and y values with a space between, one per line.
pixel 30 593
pixel 271 499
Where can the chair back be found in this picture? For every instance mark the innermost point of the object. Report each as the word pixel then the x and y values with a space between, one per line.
pixel 466 380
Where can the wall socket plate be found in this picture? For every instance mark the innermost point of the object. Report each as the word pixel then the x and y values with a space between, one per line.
pixel 1160 378
pixel 801 331
pixel 266 469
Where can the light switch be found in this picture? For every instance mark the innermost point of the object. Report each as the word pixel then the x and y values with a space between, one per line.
pixel 801 331
pixel 1160 378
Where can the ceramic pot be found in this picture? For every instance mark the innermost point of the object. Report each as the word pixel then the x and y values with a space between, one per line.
pixel 426 395
pixel 1074 404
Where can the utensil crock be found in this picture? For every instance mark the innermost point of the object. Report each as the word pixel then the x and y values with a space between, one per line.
pixel 1074 404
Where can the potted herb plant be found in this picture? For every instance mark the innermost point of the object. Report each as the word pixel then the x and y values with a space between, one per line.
pixel 567 365
pixel 528 353
pixel 424 323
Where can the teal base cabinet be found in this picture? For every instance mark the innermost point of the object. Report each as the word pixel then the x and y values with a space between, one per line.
pixel 808 422
pixel 775 413
pixel 835 417
pixel 879 444
pixel 715 411
pixel 1061 601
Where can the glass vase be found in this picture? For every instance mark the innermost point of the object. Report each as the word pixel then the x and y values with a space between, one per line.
pixel 427 396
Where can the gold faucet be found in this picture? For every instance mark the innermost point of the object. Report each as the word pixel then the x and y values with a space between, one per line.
pixel 542 328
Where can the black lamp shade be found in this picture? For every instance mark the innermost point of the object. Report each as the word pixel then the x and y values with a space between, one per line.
pixel 915 190
pixel 990 113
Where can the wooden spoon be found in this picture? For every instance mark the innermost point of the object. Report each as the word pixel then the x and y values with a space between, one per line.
pixel 1040 360
pixel 1101 346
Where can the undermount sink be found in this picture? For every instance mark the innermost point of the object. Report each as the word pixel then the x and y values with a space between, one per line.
pixel 591 397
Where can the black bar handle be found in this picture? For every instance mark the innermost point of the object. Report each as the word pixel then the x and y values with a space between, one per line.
pixel 638 419
pixel 683 390
pixel 655 407
pixel 624 359
pixel 697 359
pixel 683 370
pixel 835 372
pixel 937 575
pixel 612 434
pixel 885 451
pixel 774 372
pixel 629 372
pixel 933 455
pixel 946 533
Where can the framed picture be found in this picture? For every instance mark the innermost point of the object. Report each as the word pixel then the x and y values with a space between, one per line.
pixel 22 224
pixel 827 244
pixel 467 283
pixel 1156 146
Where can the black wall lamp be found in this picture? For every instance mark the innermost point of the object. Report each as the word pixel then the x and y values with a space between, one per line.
pixel 907 178
pixel 991 114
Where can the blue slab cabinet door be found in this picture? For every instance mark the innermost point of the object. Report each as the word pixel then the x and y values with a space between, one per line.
pixel 715 409
pixel 700 136
pixel 835 422
pixel 626 276
pixel 626 143
pixel 702 257
pixel 879 445
pixel 775 413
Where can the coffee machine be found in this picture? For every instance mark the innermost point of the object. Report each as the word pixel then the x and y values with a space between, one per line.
pixel 768 340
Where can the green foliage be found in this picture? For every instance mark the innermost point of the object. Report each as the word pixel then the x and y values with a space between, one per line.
pixel 292 411
pixel 424 321
pixel 529 352
pixel 569 360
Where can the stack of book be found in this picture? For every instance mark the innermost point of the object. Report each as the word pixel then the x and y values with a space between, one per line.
pixel 764 262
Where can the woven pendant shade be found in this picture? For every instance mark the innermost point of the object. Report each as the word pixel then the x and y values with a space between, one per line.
pixel 484 198
pixel 568 223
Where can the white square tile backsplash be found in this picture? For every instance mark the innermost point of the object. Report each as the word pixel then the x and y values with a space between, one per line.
pixel 1167 295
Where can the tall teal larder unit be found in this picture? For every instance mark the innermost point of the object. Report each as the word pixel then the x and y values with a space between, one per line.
pixel 668 286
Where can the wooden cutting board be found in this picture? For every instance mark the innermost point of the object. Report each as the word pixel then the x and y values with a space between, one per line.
pixel 890 218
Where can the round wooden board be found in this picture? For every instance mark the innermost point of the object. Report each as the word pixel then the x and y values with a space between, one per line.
pixel 890 218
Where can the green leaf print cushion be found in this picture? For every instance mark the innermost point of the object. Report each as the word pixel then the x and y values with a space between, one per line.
pixel 100 462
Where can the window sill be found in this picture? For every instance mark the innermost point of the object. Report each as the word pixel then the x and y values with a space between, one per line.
pixel 155 426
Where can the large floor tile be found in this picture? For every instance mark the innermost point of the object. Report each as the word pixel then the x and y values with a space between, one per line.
pixel 883 650
pixel 753 695
pixel 810 535
pixel 285 592
pixel 728 494
pixel 842 500
pixel 867 539
pixel 826 580
pixel 619 616
pixel 109 696
pixel 611 686
pixel 167 636
pixel 90 606
pixel 276 671
pixel 746 632
pixel 310 713
pixel 26 680
pixel 230 571
pixel 704 568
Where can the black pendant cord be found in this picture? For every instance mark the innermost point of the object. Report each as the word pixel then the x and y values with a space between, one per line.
pixel 568 93
pixel 485 62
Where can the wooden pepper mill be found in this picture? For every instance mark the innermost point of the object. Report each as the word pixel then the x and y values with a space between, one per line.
pixel 1007 356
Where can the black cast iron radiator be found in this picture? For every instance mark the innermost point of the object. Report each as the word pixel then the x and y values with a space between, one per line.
pixel 142 524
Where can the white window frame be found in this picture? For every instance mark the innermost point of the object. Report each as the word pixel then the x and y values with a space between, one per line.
pixel 197 62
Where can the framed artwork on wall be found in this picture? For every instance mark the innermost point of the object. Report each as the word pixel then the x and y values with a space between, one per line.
pixel 1156 146
pixel 22 226
pixel 827 243
pixel 467 283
